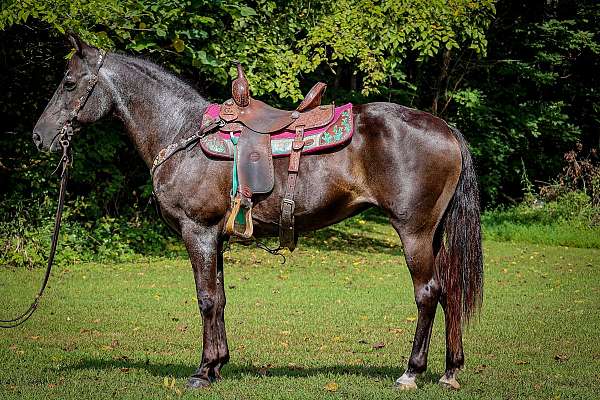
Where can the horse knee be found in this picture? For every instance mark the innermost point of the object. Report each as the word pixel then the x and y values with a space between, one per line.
pixel 206 305
pixel 427 295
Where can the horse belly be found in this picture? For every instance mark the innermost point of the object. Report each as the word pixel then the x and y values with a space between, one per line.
pixel 329 189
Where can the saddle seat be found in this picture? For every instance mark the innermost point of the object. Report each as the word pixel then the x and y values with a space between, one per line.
pixel 256 121
pixel 243 111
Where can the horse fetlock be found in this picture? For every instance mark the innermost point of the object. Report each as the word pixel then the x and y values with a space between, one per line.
pixel 417 364
pixel 455 360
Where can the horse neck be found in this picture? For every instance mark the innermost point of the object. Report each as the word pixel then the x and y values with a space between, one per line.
pixel 155 107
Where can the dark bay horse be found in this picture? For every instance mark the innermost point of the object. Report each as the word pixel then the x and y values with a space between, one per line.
pixel 408 163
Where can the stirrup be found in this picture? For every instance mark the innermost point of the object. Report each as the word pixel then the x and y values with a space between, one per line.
pixel 239 223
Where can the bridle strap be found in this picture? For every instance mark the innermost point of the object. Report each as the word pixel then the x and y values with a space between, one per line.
pixel 175 147
pixel 65 136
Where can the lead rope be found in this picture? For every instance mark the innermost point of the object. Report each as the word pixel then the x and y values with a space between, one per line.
pixel 66 162
pixel 65 135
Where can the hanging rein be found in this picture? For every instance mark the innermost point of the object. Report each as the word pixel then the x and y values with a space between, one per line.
pixel 64 136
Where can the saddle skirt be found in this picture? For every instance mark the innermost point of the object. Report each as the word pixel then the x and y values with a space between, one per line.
pixel 333 135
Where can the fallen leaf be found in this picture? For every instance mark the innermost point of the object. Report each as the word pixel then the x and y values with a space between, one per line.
pixel 34 337
pixel 166 382
pixel 51 385
pixel 411 319
pixel 397 331
pixel 522 362
pixel 331 387
pixel 182 328
pixel 561 357
pixel 378 345
pixel 124 369
pixel 480 368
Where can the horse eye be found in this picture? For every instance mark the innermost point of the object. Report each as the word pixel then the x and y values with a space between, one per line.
pixel 70 84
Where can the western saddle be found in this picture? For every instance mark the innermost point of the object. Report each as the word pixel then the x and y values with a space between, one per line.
pixel 253 162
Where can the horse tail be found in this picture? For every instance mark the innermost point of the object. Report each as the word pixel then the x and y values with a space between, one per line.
pixel 459 261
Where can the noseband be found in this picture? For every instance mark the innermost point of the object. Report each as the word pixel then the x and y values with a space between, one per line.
pixel 65 135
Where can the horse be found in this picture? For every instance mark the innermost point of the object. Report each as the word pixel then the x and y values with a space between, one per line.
pixel 408 163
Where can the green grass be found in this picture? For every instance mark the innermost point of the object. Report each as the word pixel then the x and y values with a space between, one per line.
pixel 557 234
pixel 131 330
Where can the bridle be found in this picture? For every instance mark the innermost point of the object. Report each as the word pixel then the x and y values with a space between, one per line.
pixel 64 136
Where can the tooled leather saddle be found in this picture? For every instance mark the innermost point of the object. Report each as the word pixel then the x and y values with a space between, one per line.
pixel 250 124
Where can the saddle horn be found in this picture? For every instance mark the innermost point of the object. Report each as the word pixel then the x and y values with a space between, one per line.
pixel 240 89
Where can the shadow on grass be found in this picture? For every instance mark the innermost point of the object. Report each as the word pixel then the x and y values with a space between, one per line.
pixel 328 239
pixel 237 371
pixel 353 236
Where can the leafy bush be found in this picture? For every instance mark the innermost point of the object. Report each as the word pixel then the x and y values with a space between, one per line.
pixel 565 212
pixel 108 239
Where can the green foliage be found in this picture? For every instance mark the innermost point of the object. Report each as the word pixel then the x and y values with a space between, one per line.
pixel 378 37
pixel 23 244
pixel 533 99
pixel 274 40
pixel 570 220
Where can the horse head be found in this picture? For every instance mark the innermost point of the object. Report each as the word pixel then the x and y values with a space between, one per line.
pixel 78 100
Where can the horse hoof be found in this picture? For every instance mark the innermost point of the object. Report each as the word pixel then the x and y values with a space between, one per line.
pixel 197 383
pixel 405 383
pixel 449 383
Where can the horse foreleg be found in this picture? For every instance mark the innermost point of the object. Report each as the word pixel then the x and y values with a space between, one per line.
pixel 204 248
pixel 419 258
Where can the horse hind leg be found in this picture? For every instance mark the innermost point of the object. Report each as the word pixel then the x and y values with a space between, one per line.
pixel 419 254
pixel 455 358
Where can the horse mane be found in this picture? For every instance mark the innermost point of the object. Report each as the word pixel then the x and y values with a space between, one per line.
pixel 179 86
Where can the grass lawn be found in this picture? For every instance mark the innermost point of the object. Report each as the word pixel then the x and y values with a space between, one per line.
pixel 305 329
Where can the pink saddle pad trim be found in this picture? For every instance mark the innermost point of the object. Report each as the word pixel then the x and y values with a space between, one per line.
pixel 338 132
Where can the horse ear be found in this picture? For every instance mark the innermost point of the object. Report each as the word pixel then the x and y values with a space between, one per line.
pixel 81 48
pixel 75 41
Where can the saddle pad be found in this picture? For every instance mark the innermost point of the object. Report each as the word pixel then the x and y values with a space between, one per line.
pixel 337 133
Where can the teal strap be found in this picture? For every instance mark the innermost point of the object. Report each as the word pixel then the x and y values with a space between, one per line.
pixel 240 218
pixel 234 181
